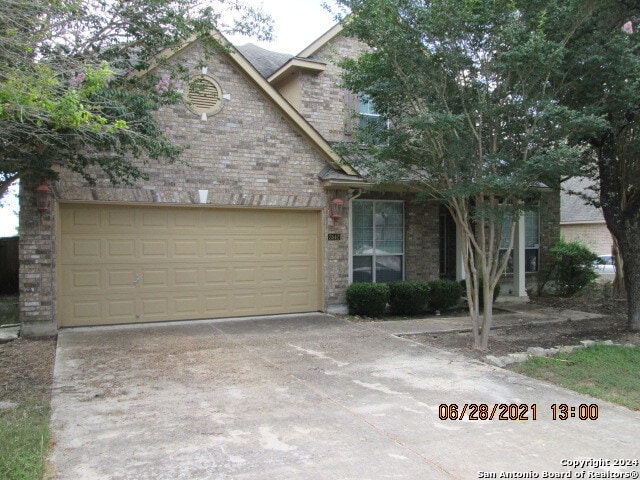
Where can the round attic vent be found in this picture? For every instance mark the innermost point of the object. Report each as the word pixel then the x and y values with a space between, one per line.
pixel 204 95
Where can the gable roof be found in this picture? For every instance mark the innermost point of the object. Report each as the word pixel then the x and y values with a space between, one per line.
pixel 302 61
pixel 265 61
pixel 573 208
pixel 321 41
pixel 251 74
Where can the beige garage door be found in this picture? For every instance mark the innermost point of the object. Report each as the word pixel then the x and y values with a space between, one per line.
pixel 122 264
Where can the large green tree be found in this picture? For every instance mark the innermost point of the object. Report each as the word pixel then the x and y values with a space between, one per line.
pixel 600 74
pixel 475 121
pixel 66 95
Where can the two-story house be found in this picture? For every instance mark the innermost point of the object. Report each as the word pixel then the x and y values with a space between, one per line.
pixel 262 218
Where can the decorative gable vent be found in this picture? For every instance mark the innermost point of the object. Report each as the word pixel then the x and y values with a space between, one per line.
pixel 204 96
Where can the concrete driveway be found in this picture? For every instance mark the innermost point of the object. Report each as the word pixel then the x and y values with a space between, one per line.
pixel 307 397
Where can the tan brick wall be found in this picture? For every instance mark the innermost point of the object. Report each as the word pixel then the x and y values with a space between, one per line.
pixel 246 155
pixel 336 275
pixel 37 265
pixel 596 236
pixel 323 99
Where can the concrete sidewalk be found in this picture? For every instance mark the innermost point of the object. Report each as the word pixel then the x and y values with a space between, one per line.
pixel 511 314
pixel 307 397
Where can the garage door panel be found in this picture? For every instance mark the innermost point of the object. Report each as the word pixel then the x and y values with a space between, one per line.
pixel 186 306
pixel 152 278
pixel 124 309
pixel 120 218
pixel 244 276
pixel 136 264
pixel 121 278
pixel 86 249
pixel 300 298
pixel 216 277
pixel 215 249
pixel 244 248
pixel 300 247
pixel 301 273
pixel 186 249
pixel 154 248
pixel 121 250
pixel 189 277
pixel 217 304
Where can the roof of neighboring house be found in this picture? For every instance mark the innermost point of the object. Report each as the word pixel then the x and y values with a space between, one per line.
pixel 265 61
pixel 573 208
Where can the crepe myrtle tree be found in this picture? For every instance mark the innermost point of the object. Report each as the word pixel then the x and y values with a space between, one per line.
pixel 66 95
pixel 474 120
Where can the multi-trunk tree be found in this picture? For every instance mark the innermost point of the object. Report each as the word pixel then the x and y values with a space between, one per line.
pixel 470 92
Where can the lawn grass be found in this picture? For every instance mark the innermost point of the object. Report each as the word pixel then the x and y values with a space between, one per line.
pixel 24 439
pixel 602 371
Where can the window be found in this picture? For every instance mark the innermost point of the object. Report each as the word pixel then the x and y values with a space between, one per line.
pixel 377 241
pixel 531 239
pixel 369 118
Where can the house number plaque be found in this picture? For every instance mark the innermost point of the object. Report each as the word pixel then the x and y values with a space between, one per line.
pixel 333 236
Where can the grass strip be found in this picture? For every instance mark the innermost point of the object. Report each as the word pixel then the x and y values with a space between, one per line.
pixel 602 371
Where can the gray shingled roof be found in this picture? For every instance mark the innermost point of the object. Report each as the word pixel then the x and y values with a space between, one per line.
pixel 573 208
pixel 265 61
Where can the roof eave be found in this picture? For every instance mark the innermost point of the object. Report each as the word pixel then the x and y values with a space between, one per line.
pixel 297 64
pixel 321 41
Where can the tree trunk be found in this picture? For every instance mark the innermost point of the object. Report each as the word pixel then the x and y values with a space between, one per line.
pixel 630 250
pixel 622 214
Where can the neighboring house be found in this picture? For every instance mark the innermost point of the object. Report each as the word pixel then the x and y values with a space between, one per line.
pixel 244 227
pixel 583 222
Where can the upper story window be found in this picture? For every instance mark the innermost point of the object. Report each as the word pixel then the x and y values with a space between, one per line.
pixel 368 115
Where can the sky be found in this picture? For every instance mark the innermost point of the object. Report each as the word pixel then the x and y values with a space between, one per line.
pixel 297 23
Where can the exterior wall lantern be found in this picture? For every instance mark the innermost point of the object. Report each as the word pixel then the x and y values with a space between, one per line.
pixel 43 199
pixel 335 210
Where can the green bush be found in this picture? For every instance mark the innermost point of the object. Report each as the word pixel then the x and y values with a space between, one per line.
pixel 408 297
pixel 573 267
pixel 444 294
pixel 367 299
pixel 496 292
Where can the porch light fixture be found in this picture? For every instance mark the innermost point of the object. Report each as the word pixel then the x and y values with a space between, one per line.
pixel 43 199
pixel 335 210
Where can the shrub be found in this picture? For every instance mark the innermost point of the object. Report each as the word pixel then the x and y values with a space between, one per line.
pixel 408 297
pixel 573 267
pixel 444 294
pixel 496 292
pixel 367 299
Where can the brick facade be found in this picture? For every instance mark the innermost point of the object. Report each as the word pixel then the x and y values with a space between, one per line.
pixel 325 104
pixel 596 236
pixel 251 155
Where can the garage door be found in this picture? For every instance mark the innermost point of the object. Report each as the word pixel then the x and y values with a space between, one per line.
pixel 122 264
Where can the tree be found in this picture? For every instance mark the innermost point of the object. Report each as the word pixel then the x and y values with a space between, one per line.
pixel 475 121
pixel 65 93
pixel 600 76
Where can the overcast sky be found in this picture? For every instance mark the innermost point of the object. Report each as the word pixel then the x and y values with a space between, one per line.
pixel 297 23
